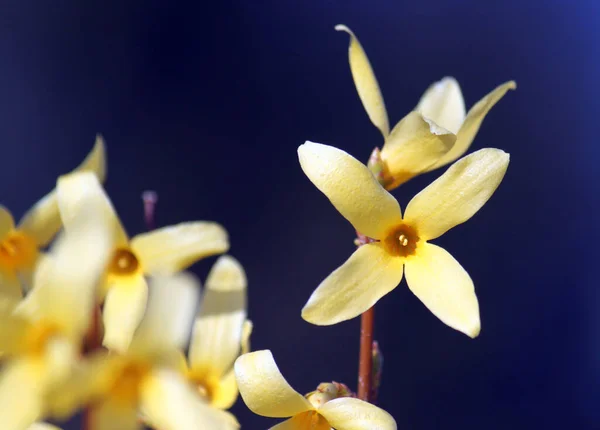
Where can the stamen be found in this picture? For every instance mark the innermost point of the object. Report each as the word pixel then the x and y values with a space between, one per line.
pixel 403 240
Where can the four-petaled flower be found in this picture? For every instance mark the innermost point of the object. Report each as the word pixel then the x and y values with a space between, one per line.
pixel 436 133
pixel 266 392
pixel 375 269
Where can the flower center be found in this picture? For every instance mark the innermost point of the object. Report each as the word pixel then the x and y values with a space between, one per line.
pixel 124 262
pixel 126 388
pixel 37 337
pixel 311 420
pixel 204 387
pixel 18 251
pixel 401 240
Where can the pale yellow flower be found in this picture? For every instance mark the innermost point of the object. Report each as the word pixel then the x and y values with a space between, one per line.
pixel 375 269
pixel 41 338
pixel 266 392
pixel 43 426
pixel 21 244
pixel 436 133
pixel 165 250
pixel 220 332
pixel 145 381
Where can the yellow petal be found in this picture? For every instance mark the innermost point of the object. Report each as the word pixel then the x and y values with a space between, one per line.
pixel 225 392
pixel 10 285
pixel 217 333
pixel 458 194
pixel 21 390
pixel 414 144
pixel 472 122
pixel 112 414
pixel 65 281
pixel 124 308
pixel 79 189
pixel 351 188
pixel 353 414
pixel 14 329
pixel 174 248
pixel 43 426
pixel 264 389
pixel 366 83
pixel 7 223
pixel 291 424
pixel 169 315
pixel 440 282
pixel 169 403
pixel 304 421
pixel 444 104
pixel 368 275
pixel 246 332
pixel 43 221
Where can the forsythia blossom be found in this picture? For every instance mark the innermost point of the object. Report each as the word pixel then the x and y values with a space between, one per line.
pixel 166 250
pixel 436 133
pixel 266 392
pixel 20 246
pixel 375 269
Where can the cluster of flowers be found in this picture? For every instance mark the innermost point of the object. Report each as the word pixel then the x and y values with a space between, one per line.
pixel 93 319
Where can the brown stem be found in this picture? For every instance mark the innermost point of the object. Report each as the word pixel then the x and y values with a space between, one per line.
pixel 365 366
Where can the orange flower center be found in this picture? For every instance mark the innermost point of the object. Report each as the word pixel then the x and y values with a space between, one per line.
pixel 205 388
pixel 401 240
pixel 18 251
pixel 38 336
pixel 310 420
pixel 124 262
pixel 126 388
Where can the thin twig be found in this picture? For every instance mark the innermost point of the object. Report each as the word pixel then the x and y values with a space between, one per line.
pixel 365 365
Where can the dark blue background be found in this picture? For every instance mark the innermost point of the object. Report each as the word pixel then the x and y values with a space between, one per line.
pixel 207 103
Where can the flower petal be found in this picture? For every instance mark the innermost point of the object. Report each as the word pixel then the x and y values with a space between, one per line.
pixel 112 414
pixel 225 392
pixel 42 426
pixel 14 329
pixel 368 275
pixel 170 404
pixel 458 194
pixel 174 248
pixel 414 144
pixel 7 223
pixel 366 83
pixel 306 420
pixel 217 333
pixel 444 104
pixel 440 282
pixel 264 389
pixel 43 221
pixel 349 413
pixel 10 285
pixel 169 315
pixel 351 188
pixel 21 390
pixel 78 189
pixel 290 424
pixel 124 308
pixel 472 122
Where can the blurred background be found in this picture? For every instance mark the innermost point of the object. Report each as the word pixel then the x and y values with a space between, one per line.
pixel 207 103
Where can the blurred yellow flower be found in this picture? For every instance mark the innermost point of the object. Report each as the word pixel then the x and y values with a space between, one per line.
pixel 266 392
pixel 41 337
pixel 145 381
pixel 375 269
pixel 220 332
pixel 20 245
pixel 165 250
pixel 436 133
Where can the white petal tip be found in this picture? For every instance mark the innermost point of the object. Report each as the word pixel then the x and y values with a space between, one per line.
pixel 511 85
pixel 474 331
pixel 342 27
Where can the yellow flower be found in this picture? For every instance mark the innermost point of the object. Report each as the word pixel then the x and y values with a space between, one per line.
pixel 435 134
pixel 20 245
pixel 266 392
pixel 145 381
pixel 166 250
pixel 40 339
pixel 220 332
pixel 375 269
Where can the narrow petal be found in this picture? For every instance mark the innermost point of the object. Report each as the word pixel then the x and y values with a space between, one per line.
pixel 13 332
pixel 42 426
pixel 10 285
pixel 124 308
pixel 217 334
pixel 225 392
pixel 440 282
pixel 366 83
pixel 472 122
pixel 78 189
pixel 368 275
pixel 444 104
pixel 21 390
pixel 7 223
pixel 349 413
pixel 112 414
pixel 169 403
pixel 169 315
pixel 174 248
pixel 264 389
pixel 458 194
pixel 414 144
pixel 351 188
pixel 43 221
